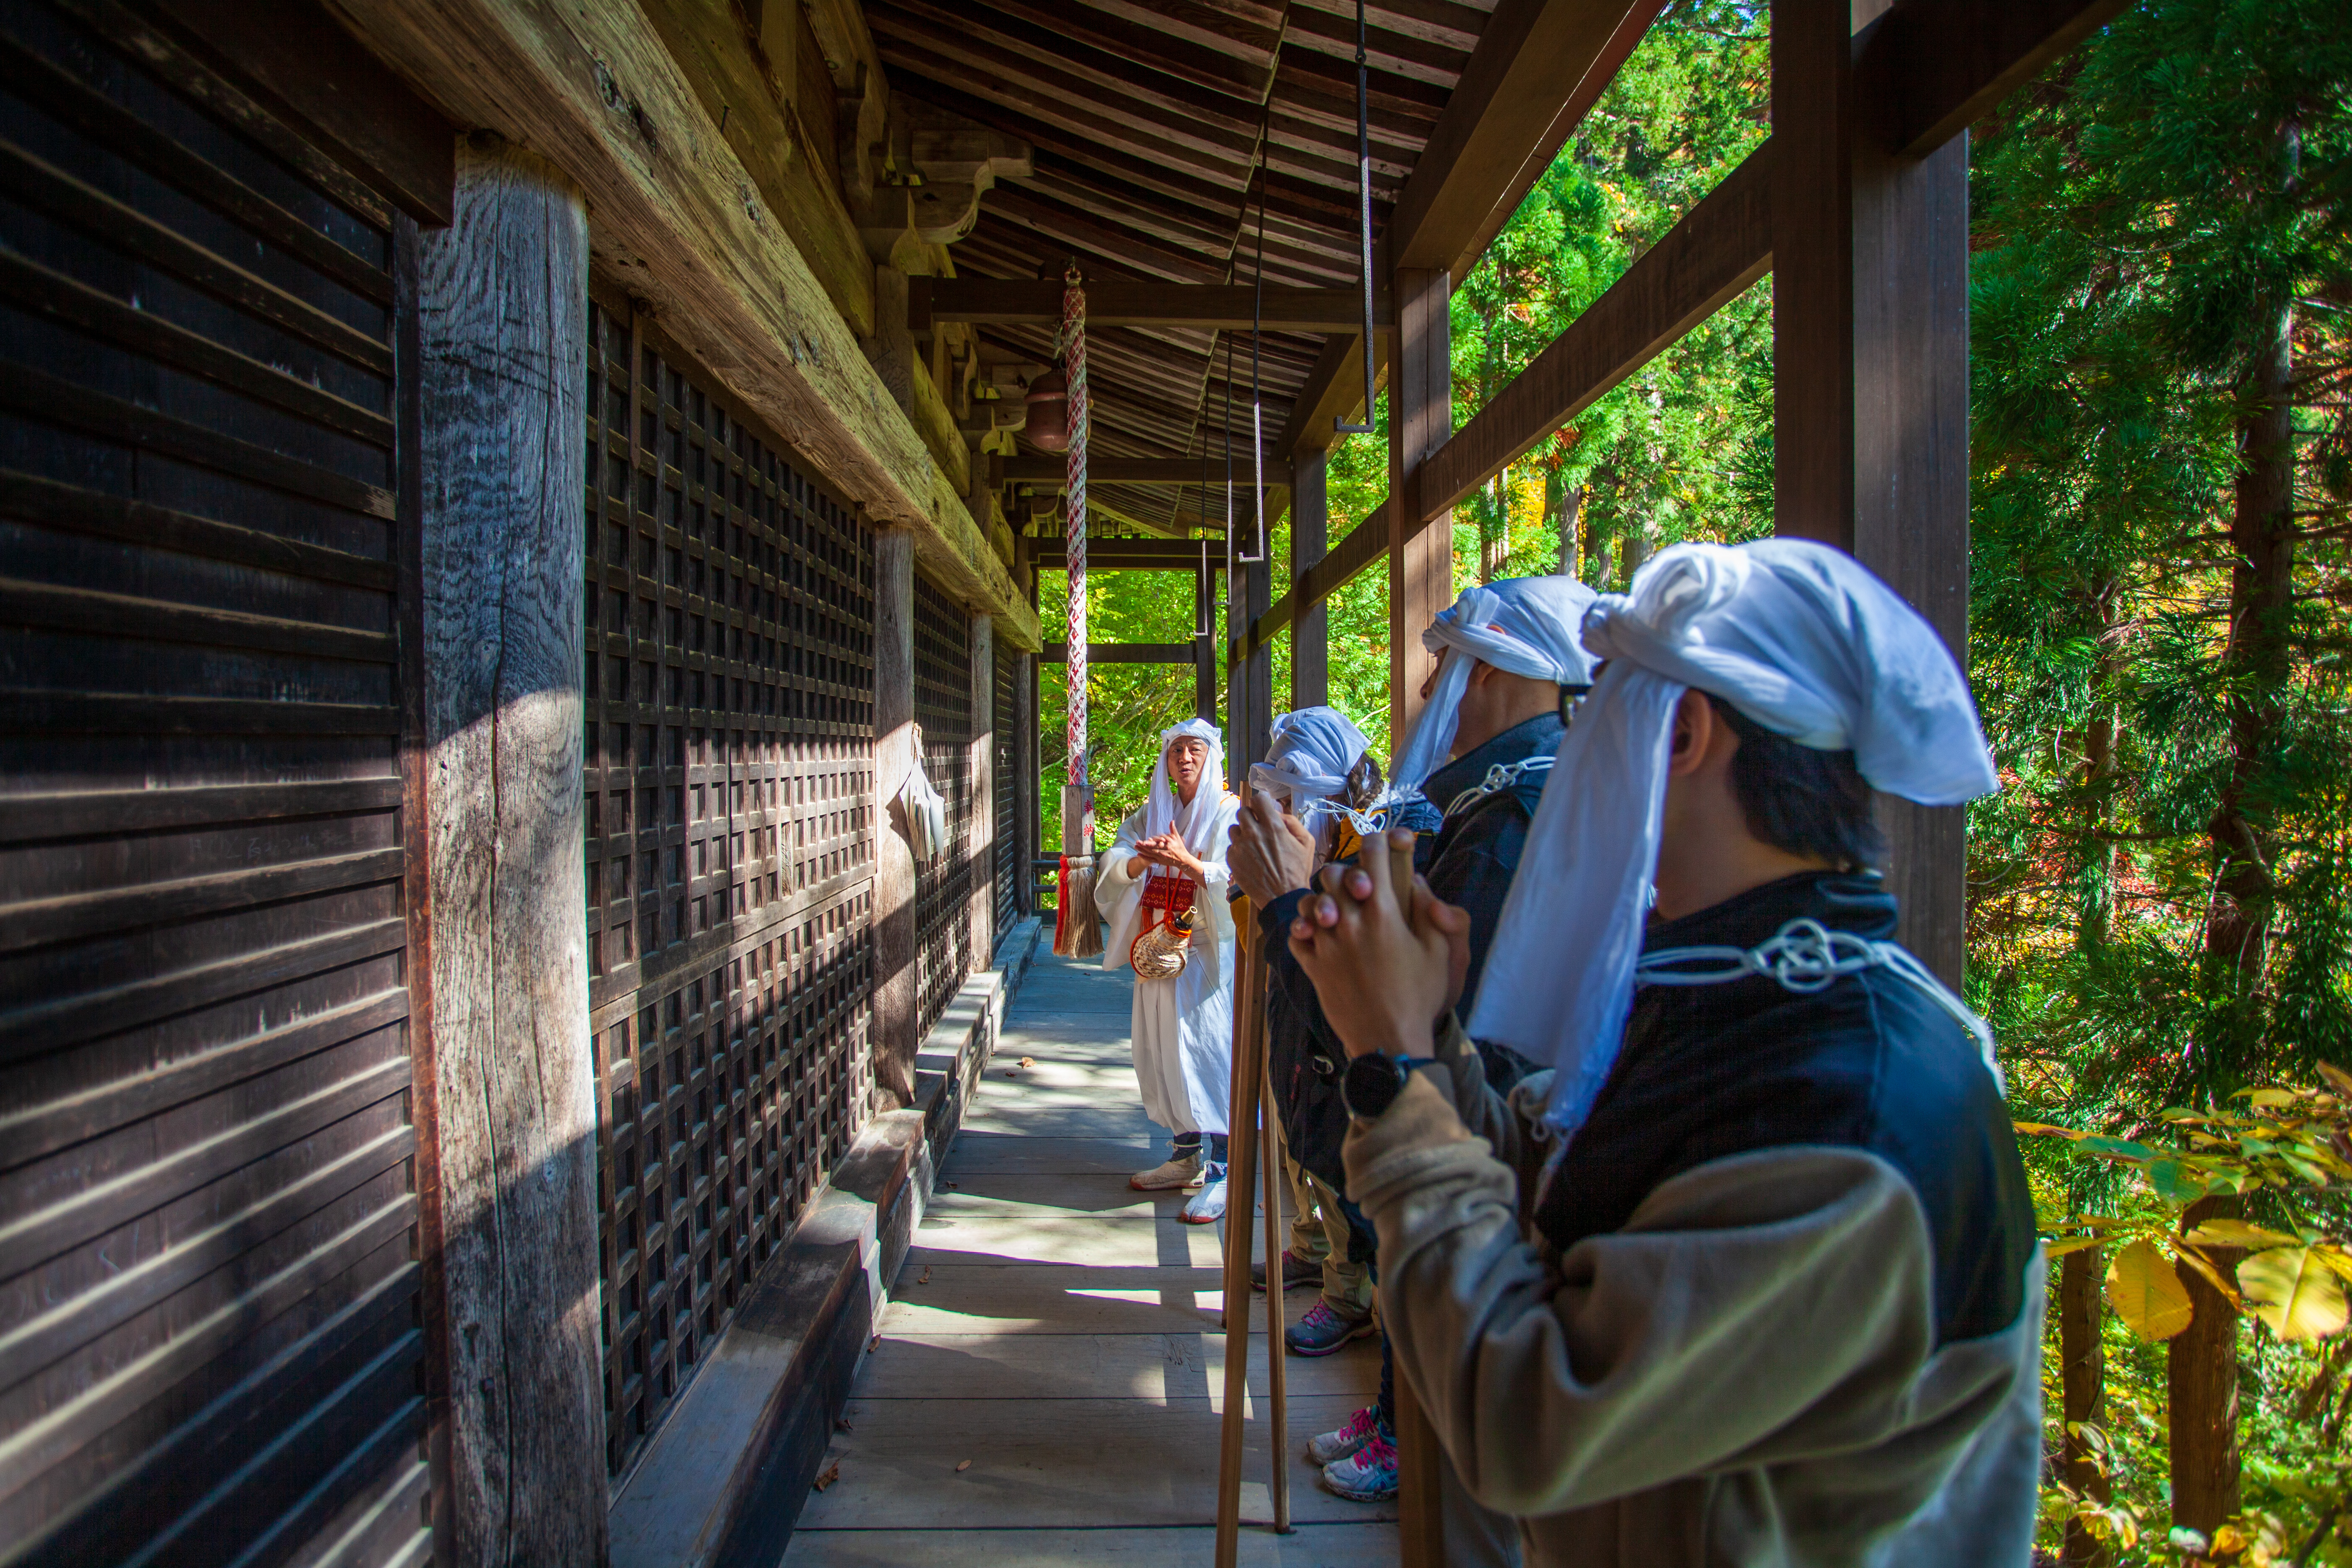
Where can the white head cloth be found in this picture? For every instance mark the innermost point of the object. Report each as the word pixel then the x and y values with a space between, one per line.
pixel 1798 636
pixel 1522 626
pixel 1195 820
pixel 1307 757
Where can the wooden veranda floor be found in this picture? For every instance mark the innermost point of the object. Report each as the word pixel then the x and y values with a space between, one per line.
pixel 1061 1334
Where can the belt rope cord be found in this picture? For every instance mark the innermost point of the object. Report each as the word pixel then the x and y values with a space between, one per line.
pixel 1501 776
pixel 1806 956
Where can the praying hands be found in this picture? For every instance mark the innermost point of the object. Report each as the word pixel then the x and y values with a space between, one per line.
pixel 1167 850
pixel 1387 956
pixel 1272 850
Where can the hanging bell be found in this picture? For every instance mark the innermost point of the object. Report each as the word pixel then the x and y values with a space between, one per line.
pixel 1048 428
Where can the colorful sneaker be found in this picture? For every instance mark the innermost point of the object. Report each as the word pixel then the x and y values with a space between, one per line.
pixel 1207 1207
pixel 1180 1170
pixel 1332 1447
pixel 1323 1330
pixel 1295 1273
pixel 1369 1474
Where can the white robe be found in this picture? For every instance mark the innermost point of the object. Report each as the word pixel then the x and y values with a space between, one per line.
pixel 1183 1028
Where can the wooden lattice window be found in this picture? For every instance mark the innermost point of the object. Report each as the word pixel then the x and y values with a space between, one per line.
pixel 730 840
pixel 1005 726
pixel 943 885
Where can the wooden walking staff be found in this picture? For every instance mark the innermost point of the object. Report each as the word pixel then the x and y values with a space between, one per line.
pixel 1248 1098
pixel 1421 1526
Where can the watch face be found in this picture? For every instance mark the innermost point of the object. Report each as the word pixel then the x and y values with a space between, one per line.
pixel 1373 1085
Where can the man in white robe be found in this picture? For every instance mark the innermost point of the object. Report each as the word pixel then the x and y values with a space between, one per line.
pixel 1182 1027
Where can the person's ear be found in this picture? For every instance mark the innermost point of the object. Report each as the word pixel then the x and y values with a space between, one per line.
pixel 1481 672
pixel 1694 727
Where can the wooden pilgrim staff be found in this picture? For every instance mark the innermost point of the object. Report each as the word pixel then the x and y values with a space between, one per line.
pixel 1249 1077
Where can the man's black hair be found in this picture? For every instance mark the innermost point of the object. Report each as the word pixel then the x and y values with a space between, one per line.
pixel 1804 801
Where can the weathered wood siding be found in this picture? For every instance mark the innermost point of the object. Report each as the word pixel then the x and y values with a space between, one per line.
pixel 210 1331
pixel 1005 869
pixel 731 849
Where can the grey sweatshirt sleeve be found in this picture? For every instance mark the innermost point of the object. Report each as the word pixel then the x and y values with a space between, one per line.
pixel 1757 1307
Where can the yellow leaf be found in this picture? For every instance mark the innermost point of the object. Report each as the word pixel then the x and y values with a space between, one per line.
pixel 2066 1244
pixel 2336 1077
pixel 2269 1096
pixel 2335 1258
pixel 2146 1292
pixel 2299 1296
pixel 2204 1266
pixel 2043 1129
pixel 2238 1233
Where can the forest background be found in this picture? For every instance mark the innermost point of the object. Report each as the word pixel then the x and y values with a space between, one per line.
pixel 2160 898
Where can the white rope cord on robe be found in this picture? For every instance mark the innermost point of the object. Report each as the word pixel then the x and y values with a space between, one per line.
pixel 1804 955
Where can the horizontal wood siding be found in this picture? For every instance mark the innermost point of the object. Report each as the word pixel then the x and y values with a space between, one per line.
pixel 210 1341
pixel 729 747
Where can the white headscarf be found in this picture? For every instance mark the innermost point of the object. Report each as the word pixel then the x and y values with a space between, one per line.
pixel 1195 820
pixel 1522 626
pixel 1307 756
pixel 1798 636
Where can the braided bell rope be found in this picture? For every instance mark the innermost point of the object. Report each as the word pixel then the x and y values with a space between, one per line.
pixel 1074 339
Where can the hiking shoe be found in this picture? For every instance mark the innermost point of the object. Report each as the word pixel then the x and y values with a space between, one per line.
pixel 1207 1207
pixel 1323 1330
pixel 1295 1273
pixel 1182 1169
pixel 1332 1447
pixel 1369 1474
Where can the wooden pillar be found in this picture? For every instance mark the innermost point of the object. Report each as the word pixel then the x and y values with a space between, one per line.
pixel 1204 643
pixel 1421 553
pixel 1870 376
pixel 1310 629
pixel 896 1004
pixel 1255 719
pixel 980 839
pixel 502 298
pixel 1024 783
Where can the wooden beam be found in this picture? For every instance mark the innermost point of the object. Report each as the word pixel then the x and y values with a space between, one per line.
pixel 1051 471
pixel 1929 68
pixel 1132 554
pixel 1003 302
pixel 1121 653
pixel 1367 544
pixel 598 92
pixel 1724 244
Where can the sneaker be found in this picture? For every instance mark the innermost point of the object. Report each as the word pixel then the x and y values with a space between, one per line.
pixel 1323 1330
pixel 1333 1446
pixel 1369 1474
pixel 1207 1207
pixel 1182 1169
pixel 1295 1273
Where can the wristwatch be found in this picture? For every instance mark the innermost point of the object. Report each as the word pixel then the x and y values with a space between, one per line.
pixel 1371 1083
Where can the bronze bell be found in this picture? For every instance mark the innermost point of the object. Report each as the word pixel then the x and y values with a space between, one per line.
pixel 1048 428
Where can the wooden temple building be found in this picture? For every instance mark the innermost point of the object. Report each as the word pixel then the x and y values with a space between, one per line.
pixel 495 489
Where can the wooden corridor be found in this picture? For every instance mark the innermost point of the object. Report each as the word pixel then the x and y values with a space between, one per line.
pixel 1061 1333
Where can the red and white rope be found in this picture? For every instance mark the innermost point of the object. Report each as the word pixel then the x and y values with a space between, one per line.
pixel 1074 338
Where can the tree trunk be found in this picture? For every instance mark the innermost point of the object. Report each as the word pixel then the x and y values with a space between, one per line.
pixel 1570 516
pixel 2083 1370
pixel 2259 661
pixel 2201 1382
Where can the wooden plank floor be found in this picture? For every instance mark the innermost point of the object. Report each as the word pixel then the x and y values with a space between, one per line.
pixel 1060 1331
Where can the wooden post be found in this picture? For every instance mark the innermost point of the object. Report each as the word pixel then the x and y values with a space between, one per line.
pixel 896 1001
pixel 1421 557
pixel 1204 642
pixel 980 758
pixel 1310 629
pixel 1024 767
pixel 502 329
pixel 1257 666
pixel 1871 371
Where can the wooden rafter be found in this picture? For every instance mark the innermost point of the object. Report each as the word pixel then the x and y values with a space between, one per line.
pixel 996 301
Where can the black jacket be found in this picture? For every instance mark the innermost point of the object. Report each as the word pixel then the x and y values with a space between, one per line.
pixel 1870 1062
pixel 1468 860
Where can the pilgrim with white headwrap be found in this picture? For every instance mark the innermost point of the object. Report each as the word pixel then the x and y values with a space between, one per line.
pixel 1747 1269
pixel 1319 768
pixel 1170 857
pixel 1522 626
